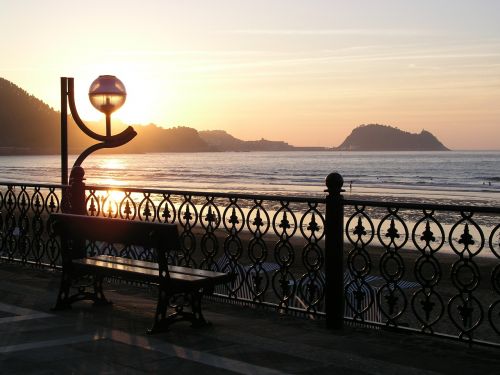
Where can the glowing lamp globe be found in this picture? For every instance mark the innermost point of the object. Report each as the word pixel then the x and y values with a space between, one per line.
pixel 107 94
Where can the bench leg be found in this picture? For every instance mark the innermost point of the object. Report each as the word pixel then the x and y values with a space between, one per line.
pixel 161 322
pixel 99 298
pixel 195 316
pixel 197 320
pixel 65 300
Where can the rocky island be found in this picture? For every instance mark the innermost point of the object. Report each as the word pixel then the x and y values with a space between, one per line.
pixel 375 137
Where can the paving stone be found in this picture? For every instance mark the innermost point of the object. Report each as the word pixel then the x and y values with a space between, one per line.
pixel 266 358
pixel 181 366
pixel 116 352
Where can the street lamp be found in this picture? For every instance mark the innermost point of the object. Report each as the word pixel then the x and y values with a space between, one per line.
pixel 107 93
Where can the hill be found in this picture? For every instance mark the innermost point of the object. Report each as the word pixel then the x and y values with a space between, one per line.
pixel 222 141
pixel 375 137
pixel 152 138
pixel 30 126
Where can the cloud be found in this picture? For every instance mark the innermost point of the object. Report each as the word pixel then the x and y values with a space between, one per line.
pixel 316 32
pixel 180 53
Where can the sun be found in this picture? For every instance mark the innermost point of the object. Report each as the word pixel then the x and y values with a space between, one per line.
pixel 141 104
pixel 147 99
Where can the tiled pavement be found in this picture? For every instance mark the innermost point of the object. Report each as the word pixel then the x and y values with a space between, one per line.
pixel 110 340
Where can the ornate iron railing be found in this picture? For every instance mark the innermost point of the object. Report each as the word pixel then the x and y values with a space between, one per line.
pixel 419 267
pixel 24 234
pixel 432 268
pixel 274 244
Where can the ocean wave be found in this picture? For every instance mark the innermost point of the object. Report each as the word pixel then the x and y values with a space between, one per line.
pixel 490 178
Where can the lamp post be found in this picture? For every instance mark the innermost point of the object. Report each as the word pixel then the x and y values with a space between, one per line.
pixel 107 93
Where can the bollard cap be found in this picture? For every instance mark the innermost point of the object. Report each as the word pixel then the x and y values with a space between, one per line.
pixel 334 182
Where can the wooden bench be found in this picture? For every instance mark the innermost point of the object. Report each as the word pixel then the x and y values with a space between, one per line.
pixel 78 232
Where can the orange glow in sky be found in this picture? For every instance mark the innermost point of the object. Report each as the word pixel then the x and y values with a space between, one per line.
pixel 306 72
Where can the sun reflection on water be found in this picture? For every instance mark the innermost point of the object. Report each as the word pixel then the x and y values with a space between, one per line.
pixel 109 181
pixel 112 163
pixel 110 201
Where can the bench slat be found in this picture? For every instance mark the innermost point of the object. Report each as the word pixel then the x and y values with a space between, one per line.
pixel 149 273
pixel 219 276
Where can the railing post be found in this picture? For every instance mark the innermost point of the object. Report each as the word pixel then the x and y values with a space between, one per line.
pixel 334 251
pixel 78 206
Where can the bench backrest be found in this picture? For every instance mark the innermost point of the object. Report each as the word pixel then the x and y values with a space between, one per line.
pixel 75 229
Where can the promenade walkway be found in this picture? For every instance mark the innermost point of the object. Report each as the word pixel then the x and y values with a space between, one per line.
pixel 111 340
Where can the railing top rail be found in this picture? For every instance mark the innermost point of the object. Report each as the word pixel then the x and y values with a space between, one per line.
pixel 271 197
pixel 31 184
pixel 258 197
pixel 424 206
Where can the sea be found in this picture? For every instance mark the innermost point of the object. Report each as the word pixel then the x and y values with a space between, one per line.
pixel 462 177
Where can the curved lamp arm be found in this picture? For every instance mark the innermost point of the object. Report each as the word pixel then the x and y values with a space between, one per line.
pixel 105 141
pixel 109 144
pixel 98 137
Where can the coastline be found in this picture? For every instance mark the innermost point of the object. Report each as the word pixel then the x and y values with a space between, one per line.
pixel 424 194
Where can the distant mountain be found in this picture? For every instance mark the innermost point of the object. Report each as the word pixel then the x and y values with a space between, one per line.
pixel 29 126
pixel 152 138
pixel 375 137
pixel 222 141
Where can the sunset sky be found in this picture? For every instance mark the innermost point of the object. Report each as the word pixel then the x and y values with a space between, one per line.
pixel 306 72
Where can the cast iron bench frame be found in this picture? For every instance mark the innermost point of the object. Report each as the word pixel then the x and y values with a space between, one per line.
pixel 74 232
